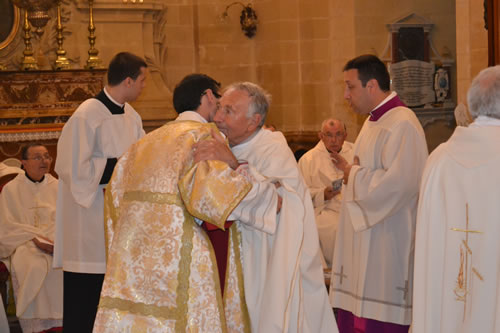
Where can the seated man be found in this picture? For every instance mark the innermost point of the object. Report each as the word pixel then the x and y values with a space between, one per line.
pixel 319 174
pixel 27 216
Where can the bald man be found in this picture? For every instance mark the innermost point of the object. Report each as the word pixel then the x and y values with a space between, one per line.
pixel 319 174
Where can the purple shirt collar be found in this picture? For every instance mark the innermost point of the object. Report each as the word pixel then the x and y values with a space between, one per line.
pixel 382 109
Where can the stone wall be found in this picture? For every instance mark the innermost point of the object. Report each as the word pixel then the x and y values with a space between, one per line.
pixel 297 54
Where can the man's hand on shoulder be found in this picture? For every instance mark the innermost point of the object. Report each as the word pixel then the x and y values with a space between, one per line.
pixel 214 149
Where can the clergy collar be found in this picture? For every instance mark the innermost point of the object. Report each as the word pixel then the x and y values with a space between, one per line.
pixel 191 115
pixel 250 137
pixel 113 106
pixel 34 181
pixel 387 104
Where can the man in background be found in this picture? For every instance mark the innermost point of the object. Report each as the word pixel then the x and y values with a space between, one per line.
pixel 458 224
pixel 95 136
pixel 27 222
pixel 320 175
pixel 371 282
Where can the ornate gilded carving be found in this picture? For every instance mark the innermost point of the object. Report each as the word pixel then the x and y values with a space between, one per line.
pixel 44 97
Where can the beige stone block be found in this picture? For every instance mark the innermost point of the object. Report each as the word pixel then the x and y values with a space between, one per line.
pixel 212 55
pixel 172 15
pixel 269 73
pixel 274 52
pixel 221 34
pixel 228 74
pixel 314 114
pixel 176 74
pixel 267 11
pixel 315 93
pixel 289 93
pixel 185 14
pixel 314 29
pixel 314 9
pixel 315 72
pixel 318 50
pixel 278 30
pixel 237 55
pixel 209 13
pixel 180 56
pixel 179 35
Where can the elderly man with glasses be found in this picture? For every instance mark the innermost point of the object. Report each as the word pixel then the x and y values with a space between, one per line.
pixel 27 220
pixel 324 181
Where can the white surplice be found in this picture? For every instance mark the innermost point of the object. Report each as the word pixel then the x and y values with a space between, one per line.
pixel 283 276
pixel 372 271
pixel 88 139
pixel 27 210
pixel 319 172
pixel 457 273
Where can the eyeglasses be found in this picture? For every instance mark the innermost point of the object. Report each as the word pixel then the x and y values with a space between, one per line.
pixel 39 158
pixel 216 94
pixel 337 135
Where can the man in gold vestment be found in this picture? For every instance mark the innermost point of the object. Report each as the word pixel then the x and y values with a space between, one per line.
pixel 161 270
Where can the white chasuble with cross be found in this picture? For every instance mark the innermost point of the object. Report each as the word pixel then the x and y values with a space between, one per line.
pixel 457 250
pixel 373 258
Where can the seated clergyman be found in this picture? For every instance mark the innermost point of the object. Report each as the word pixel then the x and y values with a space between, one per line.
pixel 27 217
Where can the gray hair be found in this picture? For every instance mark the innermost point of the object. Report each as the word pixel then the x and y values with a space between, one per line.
pixel 484 93
pixel 259 99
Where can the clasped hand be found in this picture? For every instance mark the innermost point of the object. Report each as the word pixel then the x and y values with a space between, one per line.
pixel 214 149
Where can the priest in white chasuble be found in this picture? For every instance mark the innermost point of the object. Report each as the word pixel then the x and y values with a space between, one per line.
pixel 372 271
pixel 161 268
pixel 320 176
pixel 457 250
pixel 283 277
pixel 27 221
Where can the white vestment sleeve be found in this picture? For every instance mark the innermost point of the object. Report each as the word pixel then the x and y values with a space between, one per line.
pixel 76 164
pixel 317 193
pixel 373 194
pixel 258 208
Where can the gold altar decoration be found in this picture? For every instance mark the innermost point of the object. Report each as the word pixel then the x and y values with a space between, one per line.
pixel 29 62
pixel 93 61
pixel 61 62
pixel 37 12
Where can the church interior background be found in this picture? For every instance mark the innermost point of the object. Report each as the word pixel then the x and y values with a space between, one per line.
pixel 297 54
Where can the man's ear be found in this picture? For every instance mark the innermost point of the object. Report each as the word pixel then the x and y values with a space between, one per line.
pixel 372 84
pixel 128 81
pixel 255 120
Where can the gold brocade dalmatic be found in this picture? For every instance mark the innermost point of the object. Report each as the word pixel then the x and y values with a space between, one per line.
pixel 161 269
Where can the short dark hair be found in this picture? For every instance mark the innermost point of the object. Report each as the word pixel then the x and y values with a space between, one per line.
pixel 370 67
pixel 24 149
pixel 124 65
pixel 188 92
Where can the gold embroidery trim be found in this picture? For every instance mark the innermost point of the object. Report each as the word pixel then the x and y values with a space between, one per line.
pixel 153 197
pixel 235 235
pixel 230 206
pixel 110 213
pixel 184 272
pixel 139 308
